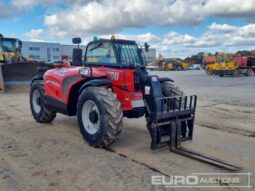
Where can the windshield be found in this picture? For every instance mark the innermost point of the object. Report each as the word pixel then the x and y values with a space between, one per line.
pixel 8 45
pixel 129 54
pixel 101 52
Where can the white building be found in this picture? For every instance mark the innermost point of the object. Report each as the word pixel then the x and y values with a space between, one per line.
pixel 41 51
pixel 52 52
pixel 150 56
pixel 47 52
pixel 67 50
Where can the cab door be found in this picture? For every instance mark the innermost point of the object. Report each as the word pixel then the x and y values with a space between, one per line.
pixel 102 54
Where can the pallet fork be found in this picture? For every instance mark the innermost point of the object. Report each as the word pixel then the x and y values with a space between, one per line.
pixel 170 121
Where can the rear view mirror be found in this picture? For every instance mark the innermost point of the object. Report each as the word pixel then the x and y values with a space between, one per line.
pixel 77 53
pixel 77 57
pixel 76 40
pixel 146 47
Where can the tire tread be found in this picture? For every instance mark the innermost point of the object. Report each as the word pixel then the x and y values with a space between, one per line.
pixel 46 115
pixel 113 114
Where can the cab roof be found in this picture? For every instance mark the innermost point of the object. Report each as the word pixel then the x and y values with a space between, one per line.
pixel 8 38
pixel 118 41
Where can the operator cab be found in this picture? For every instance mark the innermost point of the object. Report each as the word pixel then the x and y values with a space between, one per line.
pixel 111 53
pixel 120 53
pixel 10 45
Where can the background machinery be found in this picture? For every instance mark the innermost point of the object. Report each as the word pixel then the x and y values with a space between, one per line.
pixel 238 65
pixel 218 62
pixel 179 64
pixel 164 64
pixel 13 66
pixel 172 64
pixel 112 83
pixel 10 50
pixel 209 64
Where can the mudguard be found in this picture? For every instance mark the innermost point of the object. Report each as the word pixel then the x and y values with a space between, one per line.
pixel 95 83
pixel 38 77
pixel 161 80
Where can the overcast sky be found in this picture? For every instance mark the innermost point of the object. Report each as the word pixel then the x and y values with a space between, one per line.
pixel 177 28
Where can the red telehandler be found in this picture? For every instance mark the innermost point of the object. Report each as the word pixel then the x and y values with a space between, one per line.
pixel 113 83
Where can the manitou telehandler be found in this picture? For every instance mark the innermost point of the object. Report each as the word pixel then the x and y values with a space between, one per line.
pixel 111 83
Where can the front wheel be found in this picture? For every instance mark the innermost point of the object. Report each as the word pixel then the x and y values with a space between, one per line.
pixel 236 73
pixel 39 109
pixel 99 116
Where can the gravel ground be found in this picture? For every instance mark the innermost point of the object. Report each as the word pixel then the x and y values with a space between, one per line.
pixel 54 156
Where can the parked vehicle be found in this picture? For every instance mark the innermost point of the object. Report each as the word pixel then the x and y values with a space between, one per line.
pixel 240 65
pixel 112 83
pixel 195 67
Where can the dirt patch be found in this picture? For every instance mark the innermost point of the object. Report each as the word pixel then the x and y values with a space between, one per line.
pixel 54 156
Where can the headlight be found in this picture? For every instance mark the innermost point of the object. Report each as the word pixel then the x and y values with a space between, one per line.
pixel 85 71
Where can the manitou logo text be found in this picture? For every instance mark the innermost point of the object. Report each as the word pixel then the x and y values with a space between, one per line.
pixel 113 75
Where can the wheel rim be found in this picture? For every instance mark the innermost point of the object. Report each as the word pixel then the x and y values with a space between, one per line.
pixel 90 117
pixel 36 101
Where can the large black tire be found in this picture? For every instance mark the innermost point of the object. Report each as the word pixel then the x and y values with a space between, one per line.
pixel 236 73
pixel 169 89
pixel 44 115
pixel 107 116
pixel 180 68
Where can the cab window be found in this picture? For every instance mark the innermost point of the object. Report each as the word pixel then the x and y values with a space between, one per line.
pixel 101 52
pixel 8 45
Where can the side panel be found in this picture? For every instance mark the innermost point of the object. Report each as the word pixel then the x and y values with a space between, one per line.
pixel 62 86
pixel 58 82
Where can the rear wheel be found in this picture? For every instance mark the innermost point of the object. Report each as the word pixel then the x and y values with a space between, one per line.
pixel 99 116
pixel 250 72
pixel 221 74
pixel 39 109
pixel 236 73
pixel 169 89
